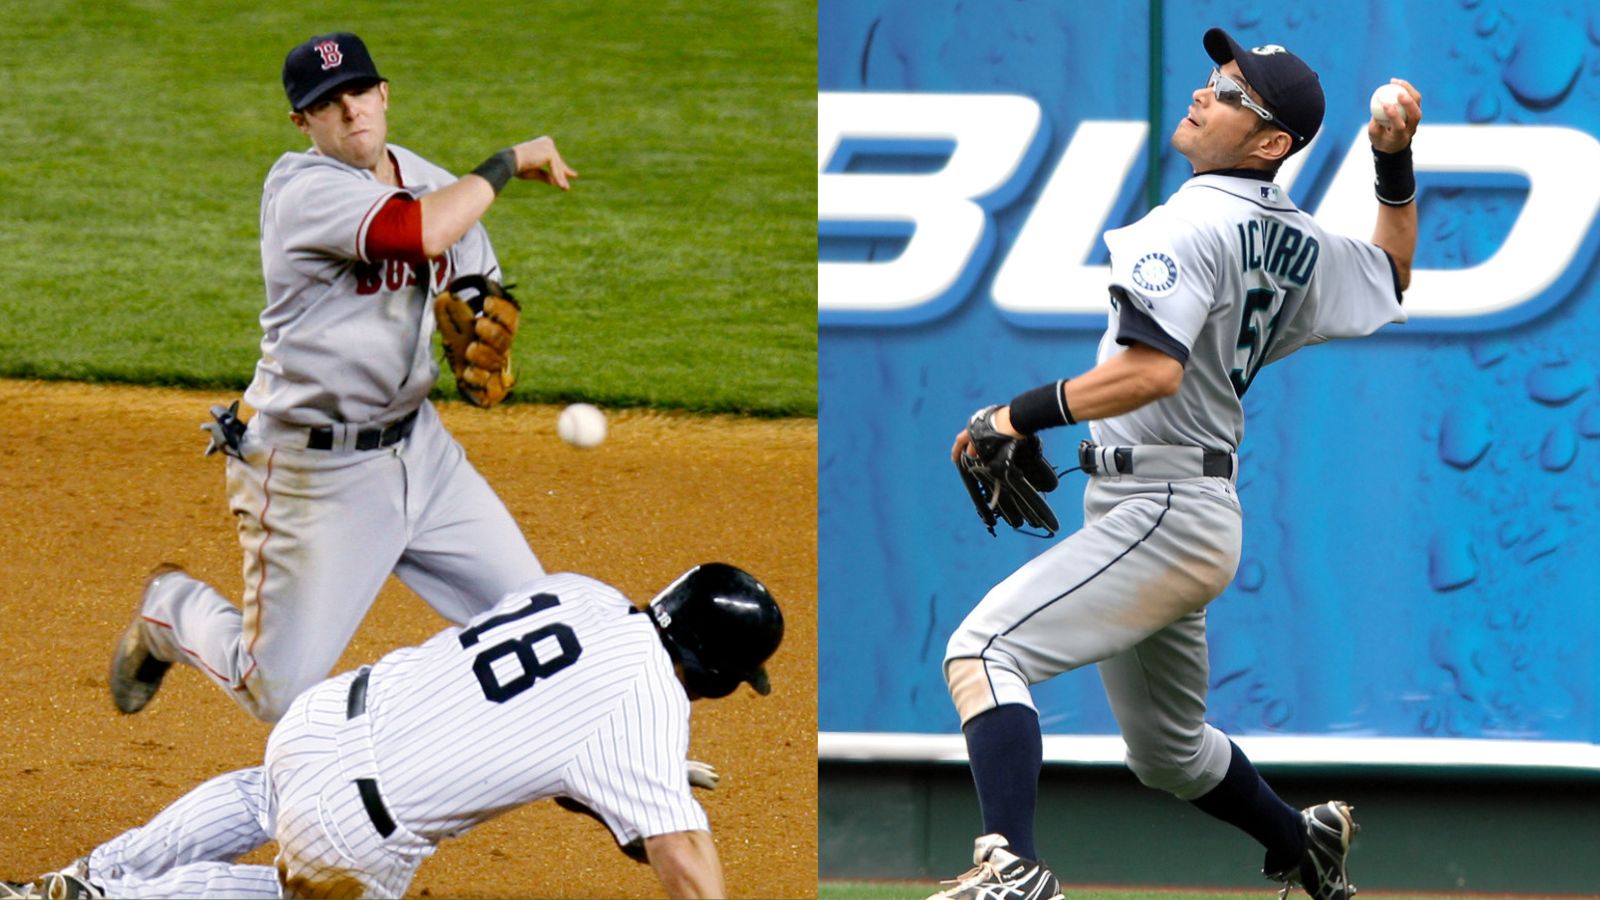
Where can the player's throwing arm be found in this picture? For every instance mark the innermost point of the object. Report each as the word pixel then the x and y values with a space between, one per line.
pixel 1396 182
pixel 477 316
pixel 448 213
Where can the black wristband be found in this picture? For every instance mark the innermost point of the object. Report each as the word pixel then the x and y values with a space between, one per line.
pixel 1396 182
pixel 1042 407
pixel 498 169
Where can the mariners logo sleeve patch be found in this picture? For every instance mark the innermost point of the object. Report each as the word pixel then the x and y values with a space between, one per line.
pixel 1156 273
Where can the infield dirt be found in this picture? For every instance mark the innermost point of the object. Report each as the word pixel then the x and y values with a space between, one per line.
pixel 100 483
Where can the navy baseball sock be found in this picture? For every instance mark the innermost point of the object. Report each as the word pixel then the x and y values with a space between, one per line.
pixel 1244 801
pixel 1006 752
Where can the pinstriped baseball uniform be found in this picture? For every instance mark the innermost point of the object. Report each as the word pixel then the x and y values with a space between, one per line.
pixel 610 686
pixel 561 689
pixel 347 347
pixel 188 849
pixel 1226 276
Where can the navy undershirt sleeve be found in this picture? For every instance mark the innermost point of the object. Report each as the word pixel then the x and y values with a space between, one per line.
pixel 1135 326
pixel 1394 271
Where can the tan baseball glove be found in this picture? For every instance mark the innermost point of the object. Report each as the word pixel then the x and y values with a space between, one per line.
pixel 477 322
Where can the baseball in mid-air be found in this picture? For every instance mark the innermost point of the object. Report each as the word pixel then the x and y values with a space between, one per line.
pixel 1388 93
pixel 582 425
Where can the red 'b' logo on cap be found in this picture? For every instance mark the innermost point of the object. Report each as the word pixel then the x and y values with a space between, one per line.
pixel 329 51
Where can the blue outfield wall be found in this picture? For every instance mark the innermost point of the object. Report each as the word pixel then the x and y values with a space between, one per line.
pixel 1421 553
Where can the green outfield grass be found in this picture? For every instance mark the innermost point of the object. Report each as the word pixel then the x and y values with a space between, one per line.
pixel 680 272
pixel 883 890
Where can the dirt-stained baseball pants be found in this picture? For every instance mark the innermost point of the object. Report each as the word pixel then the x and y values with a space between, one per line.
pixel 1128 592
pixel 321 530
pixel 305 797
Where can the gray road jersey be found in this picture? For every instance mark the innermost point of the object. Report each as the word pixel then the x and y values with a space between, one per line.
pixel 345 338
pixel 560 689
pixel 1232 271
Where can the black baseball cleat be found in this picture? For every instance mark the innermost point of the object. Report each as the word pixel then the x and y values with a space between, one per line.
pixel 999 874
pixel 1330 827
pixel 135 672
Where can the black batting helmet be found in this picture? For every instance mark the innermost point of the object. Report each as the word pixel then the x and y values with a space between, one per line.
pixel 720 624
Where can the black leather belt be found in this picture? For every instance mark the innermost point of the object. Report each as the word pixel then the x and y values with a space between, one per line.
pixel 1217 464
pixel 367 438
pixel 1214 463
pixel 367 787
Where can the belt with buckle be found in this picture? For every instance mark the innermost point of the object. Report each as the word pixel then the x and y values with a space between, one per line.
pixel 1155 461
pixel 367 438
pixel 368 787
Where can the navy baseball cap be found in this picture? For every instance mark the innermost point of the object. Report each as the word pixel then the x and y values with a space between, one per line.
pixel 1288 87
pixel 327 61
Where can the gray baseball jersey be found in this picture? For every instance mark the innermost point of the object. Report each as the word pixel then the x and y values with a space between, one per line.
pixel 346 345
pixel 346 338
pixel 1226 276
pixel 1234 276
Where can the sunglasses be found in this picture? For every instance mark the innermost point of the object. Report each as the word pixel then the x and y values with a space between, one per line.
pixel 1231 92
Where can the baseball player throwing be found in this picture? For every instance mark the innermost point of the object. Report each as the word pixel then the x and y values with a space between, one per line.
pixel 563 689
pixel 1225 277
pixel 345 473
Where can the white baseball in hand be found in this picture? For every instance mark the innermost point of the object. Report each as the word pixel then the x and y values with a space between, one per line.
pixel 1388 93
pixel 582 425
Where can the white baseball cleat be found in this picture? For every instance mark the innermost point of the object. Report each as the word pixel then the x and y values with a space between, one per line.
pixel 999 874
pixel 70 883
pixel 62 886
pixel 135 672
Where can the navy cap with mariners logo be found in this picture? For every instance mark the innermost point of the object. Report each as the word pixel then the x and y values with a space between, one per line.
pixel 314 69
pixel 1288 87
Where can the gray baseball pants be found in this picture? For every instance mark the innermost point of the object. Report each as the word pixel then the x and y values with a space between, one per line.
pixel 1128 591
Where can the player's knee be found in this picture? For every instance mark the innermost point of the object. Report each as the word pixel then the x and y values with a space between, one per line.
pixel 970 690
pixel 1161 774
pixel 981 671
pixel 961 644
pixel 1184 775
pixel 972 639
pixel 265 703
pixel 265 710
pixel 979 684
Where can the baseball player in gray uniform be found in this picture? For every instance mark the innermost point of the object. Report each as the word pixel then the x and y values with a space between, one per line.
pixel 344 474
pixel 563 689
pixel 1225 277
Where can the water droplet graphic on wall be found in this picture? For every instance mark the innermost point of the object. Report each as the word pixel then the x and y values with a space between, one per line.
pixel 1589 421
pixel 1487 351
pixel 1554 385
pixel 1545 62
pixel 1465 434
pixel 1452 560
pixel 1544 541
pixel 1483 107
pixel 1251 576
pixel 1559 449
